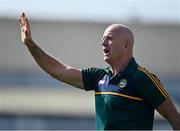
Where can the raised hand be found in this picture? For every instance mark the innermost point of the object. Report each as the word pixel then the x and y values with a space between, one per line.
pixel 25 29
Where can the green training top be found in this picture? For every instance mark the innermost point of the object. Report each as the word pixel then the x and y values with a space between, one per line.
pixel 126 101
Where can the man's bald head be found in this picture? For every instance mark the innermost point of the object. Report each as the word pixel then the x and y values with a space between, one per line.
pixel 123 32
pixel 117 44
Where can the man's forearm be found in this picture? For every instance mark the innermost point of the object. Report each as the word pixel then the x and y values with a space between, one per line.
pixel 44 60
pixel 175 121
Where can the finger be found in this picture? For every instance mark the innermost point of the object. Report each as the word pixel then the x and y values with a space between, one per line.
pixel 22 19
pixel 23 14
pixel 19 22
pixel 27 23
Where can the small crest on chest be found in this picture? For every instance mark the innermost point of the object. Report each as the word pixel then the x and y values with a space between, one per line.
pixel 101 82
pixel 122 83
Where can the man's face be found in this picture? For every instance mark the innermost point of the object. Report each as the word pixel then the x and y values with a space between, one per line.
pixel 112 45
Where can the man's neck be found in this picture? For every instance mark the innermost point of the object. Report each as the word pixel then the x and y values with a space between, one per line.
pixel 119 65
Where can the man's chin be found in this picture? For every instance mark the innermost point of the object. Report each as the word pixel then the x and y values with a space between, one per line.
pixel 107 59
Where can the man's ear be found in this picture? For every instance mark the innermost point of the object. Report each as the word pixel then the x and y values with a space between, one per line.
pixel 125 45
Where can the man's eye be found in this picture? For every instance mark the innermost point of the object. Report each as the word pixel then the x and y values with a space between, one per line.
pixel 109 38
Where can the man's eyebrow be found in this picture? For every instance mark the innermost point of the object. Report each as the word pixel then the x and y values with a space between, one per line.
pixel 108 34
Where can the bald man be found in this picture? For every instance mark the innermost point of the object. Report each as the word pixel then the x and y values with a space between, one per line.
pixel 126 94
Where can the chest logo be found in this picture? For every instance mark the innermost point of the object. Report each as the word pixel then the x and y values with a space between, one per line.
pixel 122 83
pixel 101 81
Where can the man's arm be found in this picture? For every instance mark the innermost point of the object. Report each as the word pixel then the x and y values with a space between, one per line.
pixel 168 110
pixel 52 66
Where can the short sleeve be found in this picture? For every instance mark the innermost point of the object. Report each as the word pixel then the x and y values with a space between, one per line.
pixel 91 77
pixel 150 88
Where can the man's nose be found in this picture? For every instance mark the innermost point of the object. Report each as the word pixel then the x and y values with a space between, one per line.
pixel 104 43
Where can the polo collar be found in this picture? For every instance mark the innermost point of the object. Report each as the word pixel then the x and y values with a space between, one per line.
pixel 131 67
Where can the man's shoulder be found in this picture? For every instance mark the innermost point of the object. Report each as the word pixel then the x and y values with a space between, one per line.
pixel 94 71
pixel 90 77
pixel 144 77
pixel 142 73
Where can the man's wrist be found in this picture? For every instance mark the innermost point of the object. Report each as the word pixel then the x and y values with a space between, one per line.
pixel 29 42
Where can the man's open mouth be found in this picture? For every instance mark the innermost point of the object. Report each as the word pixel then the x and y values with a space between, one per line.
pixel 106 51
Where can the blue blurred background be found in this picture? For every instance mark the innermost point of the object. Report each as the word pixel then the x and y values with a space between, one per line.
pixel 71 30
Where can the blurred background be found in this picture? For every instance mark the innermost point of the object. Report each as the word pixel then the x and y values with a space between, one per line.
pixel 71 30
